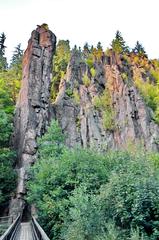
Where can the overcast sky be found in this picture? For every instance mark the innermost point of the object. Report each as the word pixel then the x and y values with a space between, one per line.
pixel 83 21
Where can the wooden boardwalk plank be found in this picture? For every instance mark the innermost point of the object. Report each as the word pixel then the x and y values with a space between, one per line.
pixel 25 232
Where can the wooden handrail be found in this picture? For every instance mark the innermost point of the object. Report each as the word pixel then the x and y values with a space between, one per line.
pixel 12 230
pixel 38 232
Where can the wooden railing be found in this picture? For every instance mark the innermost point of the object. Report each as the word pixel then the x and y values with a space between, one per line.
pixel 11 232
pixel 38 232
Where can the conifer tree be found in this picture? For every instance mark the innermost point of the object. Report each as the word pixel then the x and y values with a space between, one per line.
pixel 118 44
pixel 86 50
pixel 17 56
pixel 139 49
pixel 3 60
pixel 99 46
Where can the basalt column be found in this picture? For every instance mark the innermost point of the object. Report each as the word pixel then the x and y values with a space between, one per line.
pixel 32 109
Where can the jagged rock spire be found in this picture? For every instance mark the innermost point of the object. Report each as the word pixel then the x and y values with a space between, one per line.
pixel 32 109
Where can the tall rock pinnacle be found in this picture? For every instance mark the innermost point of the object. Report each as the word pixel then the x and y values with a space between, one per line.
pixel 32 109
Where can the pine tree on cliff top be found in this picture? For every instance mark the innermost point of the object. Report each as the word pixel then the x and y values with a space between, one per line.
pixel 139 49
pixel 118 44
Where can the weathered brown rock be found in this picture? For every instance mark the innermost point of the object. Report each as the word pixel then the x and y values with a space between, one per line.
pixel 83 123
pixel 32 109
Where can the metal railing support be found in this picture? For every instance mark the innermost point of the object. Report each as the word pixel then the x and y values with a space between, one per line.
pixel 38 232
pixel 12 230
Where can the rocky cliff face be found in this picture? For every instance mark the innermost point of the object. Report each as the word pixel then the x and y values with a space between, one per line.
pixel 103 107
pixel 33 105
pixel 99 104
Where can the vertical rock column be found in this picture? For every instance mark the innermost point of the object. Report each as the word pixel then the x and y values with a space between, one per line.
pixel 32 109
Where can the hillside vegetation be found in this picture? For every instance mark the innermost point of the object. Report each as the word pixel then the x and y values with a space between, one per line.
pixel 84 194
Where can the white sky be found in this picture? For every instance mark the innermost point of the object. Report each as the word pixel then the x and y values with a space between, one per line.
pixel 83 21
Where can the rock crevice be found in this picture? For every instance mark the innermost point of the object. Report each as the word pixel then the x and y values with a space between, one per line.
pixel 33 106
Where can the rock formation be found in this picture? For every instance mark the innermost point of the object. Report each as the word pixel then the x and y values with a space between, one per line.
pixel 98 105
pixel 82 121
pixel 33 106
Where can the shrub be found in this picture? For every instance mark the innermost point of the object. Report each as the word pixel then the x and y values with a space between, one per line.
pixel 103 101
pixel 131 196
pixel 93 72
pixel 108 119
pixel 56 174
pixel 86 80
pixel 69 92
pixel 150 94
pixel 83 194
pixel 76 96
pixel 7 158
pixel 104 104
pixel 124 76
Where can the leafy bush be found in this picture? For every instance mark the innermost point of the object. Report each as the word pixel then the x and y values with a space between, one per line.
pixel 108 119
pixel 104 104
pixel 7 157
pixel 7 175
pixel 86 80
pixel 103 101
pixel 90 61
pixel 150 94
pixel 69 92
pixel 56 175
pixel 83 194
pixel 131 196
pixel 60 62
pixel 93 72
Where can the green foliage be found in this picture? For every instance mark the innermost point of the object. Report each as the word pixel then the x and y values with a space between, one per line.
pixel 155 74
pixel 9 88
pixel 135 235
pixel 139 49
pixel 16 61
pixel 99 46
pixel 93 54
pixel 7 157
pixel 124 76
pixel 104 104
pixel 86 80
pixel 103 101
pixel 7 175
pixel 108 119
pixel 10 82
pixel 76 96
pixel 90 61
pixel 69 92
pixel 55 176
pixel 93 72
pixel 60 62
pixel 118 44
pixel 82 194
pixel 5 128
pixel 131 195
pixel 150 92
pixel 3 60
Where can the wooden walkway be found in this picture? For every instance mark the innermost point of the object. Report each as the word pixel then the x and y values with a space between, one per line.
pixel 25 232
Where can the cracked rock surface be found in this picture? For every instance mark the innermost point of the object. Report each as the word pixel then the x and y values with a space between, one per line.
pixel 33 106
